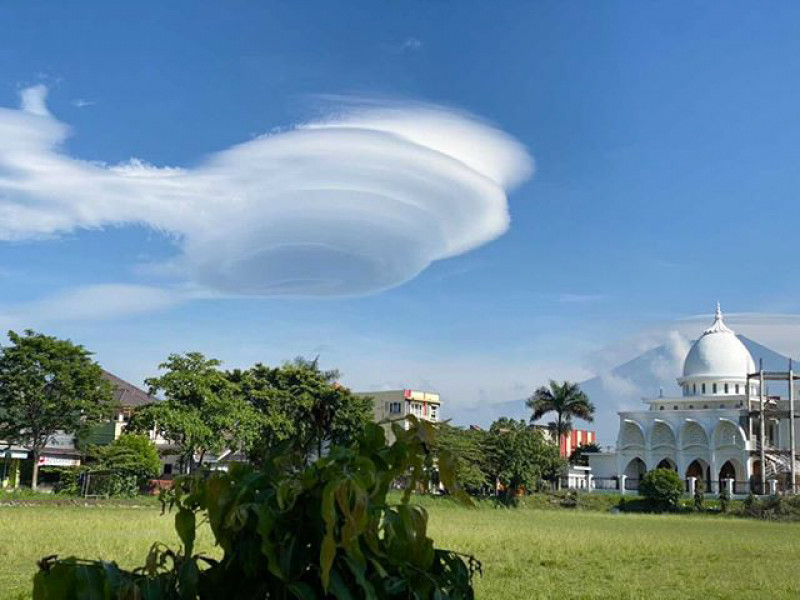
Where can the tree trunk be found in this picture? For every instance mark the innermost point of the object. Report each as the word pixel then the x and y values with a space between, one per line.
pixel 35 471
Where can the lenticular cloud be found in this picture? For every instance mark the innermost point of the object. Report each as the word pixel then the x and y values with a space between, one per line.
pixel 343 206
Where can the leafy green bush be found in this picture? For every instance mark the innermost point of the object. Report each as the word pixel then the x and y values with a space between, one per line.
pixel 293 531
pixel 699 495
pixel 662 488
pixel 724 500
pixel 777 508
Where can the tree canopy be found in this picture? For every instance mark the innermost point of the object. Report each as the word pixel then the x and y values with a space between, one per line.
pixel 519 457
pixel 298 401
pixel 578 455
pixel 202 410
pixel 132 454
pixel 48 385
pixel 566 400
pixel 467 447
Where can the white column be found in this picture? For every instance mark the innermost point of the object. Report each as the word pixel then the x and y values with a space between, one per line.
pixel 773 487
pixel 692 485
pixel 622 479
pixel 589 482
pixel 729 487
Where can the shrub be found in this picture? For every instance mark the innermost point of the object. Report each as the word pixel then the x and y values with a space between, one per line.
pixel 289 530
pixel 699 495
pixel 724 499
pixel 662 488
pixel 778 508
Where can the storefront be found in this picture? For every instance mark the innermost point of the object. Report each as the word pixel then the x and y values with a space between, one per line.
pixel 10 467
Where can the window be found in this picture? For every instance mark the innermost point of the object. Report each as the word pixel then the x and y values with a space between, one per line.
pixel 434 412
pixel 737 388
pixel 395 408
pixel 722 406
pixel 714 388
pixel 675 407
pixel 167 469
pixel 661 407
pixel 705 405
pixel 694 388
pixel 703 389
pixel 691 406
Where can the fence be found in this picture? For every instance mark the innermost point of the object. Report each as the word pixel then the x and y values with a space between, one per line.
pixel 740 488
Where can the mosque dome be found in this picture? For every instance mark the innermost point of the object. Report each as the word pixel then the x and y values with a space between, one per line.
pixel 718 354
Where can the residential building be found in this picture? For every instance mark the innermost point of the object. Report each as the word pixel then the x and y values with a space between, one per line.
pixel 395 405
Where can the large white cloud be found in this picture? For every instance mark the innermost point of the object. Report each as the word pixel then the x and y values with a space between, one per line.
pixel 347 205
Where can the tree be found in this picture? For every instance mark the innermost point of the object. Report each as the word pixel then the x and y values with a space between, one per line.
pixel 519 457
pixel 300 402
pixel 132 454
pixel 467 448
pixel 662 488
pixel 578 456
pixel 48 385
pixel 202 411
pixel 566 400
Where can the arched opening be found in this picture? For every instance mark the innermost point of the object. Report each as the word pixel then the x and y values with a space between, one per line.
pixel 755 479
pixel 634 472
pixel 667 463
pixel 731 469
pixel 700 470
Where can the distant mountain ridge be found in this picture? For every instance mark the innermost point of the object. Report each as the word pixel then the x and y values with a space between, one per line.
pixel 622 388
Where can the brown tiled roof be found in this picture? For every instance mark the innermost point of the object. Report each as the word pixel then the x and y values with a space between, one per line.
pixel 127 394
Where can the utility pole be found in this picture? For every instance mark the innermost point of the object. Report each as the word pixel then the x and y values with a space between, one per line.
pixel 762 427
pixel 792 449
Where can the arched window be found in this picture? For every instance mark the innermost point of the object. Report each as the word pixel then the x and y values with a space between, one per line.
pixel 703 388
pixel 713 388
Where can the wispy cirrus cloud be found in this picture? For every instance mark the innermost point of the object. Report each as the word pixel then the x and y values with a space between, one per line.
pixel 351 204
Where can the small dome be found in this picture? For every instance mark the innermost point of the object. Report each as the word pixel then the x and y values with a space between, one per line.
pixel 718 354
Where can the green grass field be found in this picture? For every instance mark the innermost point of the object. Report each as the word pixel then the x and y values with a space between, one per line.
pixel 526 553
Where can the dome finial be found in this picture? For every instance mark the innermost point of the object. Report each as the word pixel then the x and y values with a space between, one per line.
pixel 719 325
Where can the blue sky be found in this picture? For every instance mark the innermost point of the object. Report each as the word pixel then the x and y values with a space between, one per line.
pixel 664 138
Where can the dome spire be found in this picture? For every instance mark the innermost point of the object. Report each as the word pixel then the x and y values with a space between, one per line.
pixel 719 325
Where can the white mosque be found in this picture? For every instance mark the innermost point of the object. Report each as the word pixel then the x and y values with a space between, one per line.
pixel 710 432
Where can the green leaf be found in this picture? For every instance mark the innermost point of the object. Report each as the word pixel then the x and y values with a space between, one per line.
pixel 185 526
pixel 326 557
pixel 302 591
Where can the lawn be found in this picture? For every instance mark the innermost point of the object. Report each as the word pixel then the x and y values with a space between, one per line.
pixel 526 553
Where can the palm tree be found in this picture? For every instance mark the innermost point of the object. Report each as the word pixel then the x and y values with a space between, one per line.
pixel 566 400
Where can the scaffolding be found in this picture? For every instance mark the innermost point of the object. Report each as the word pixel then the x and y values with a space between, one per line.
pixel 773 408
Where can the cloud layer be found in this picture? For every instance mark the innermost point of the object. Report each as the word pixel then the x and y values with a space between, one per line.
pixel 348 205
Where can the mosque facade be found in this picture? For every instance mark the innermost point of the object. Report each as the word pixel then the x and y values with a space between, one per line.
pixel 708 434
